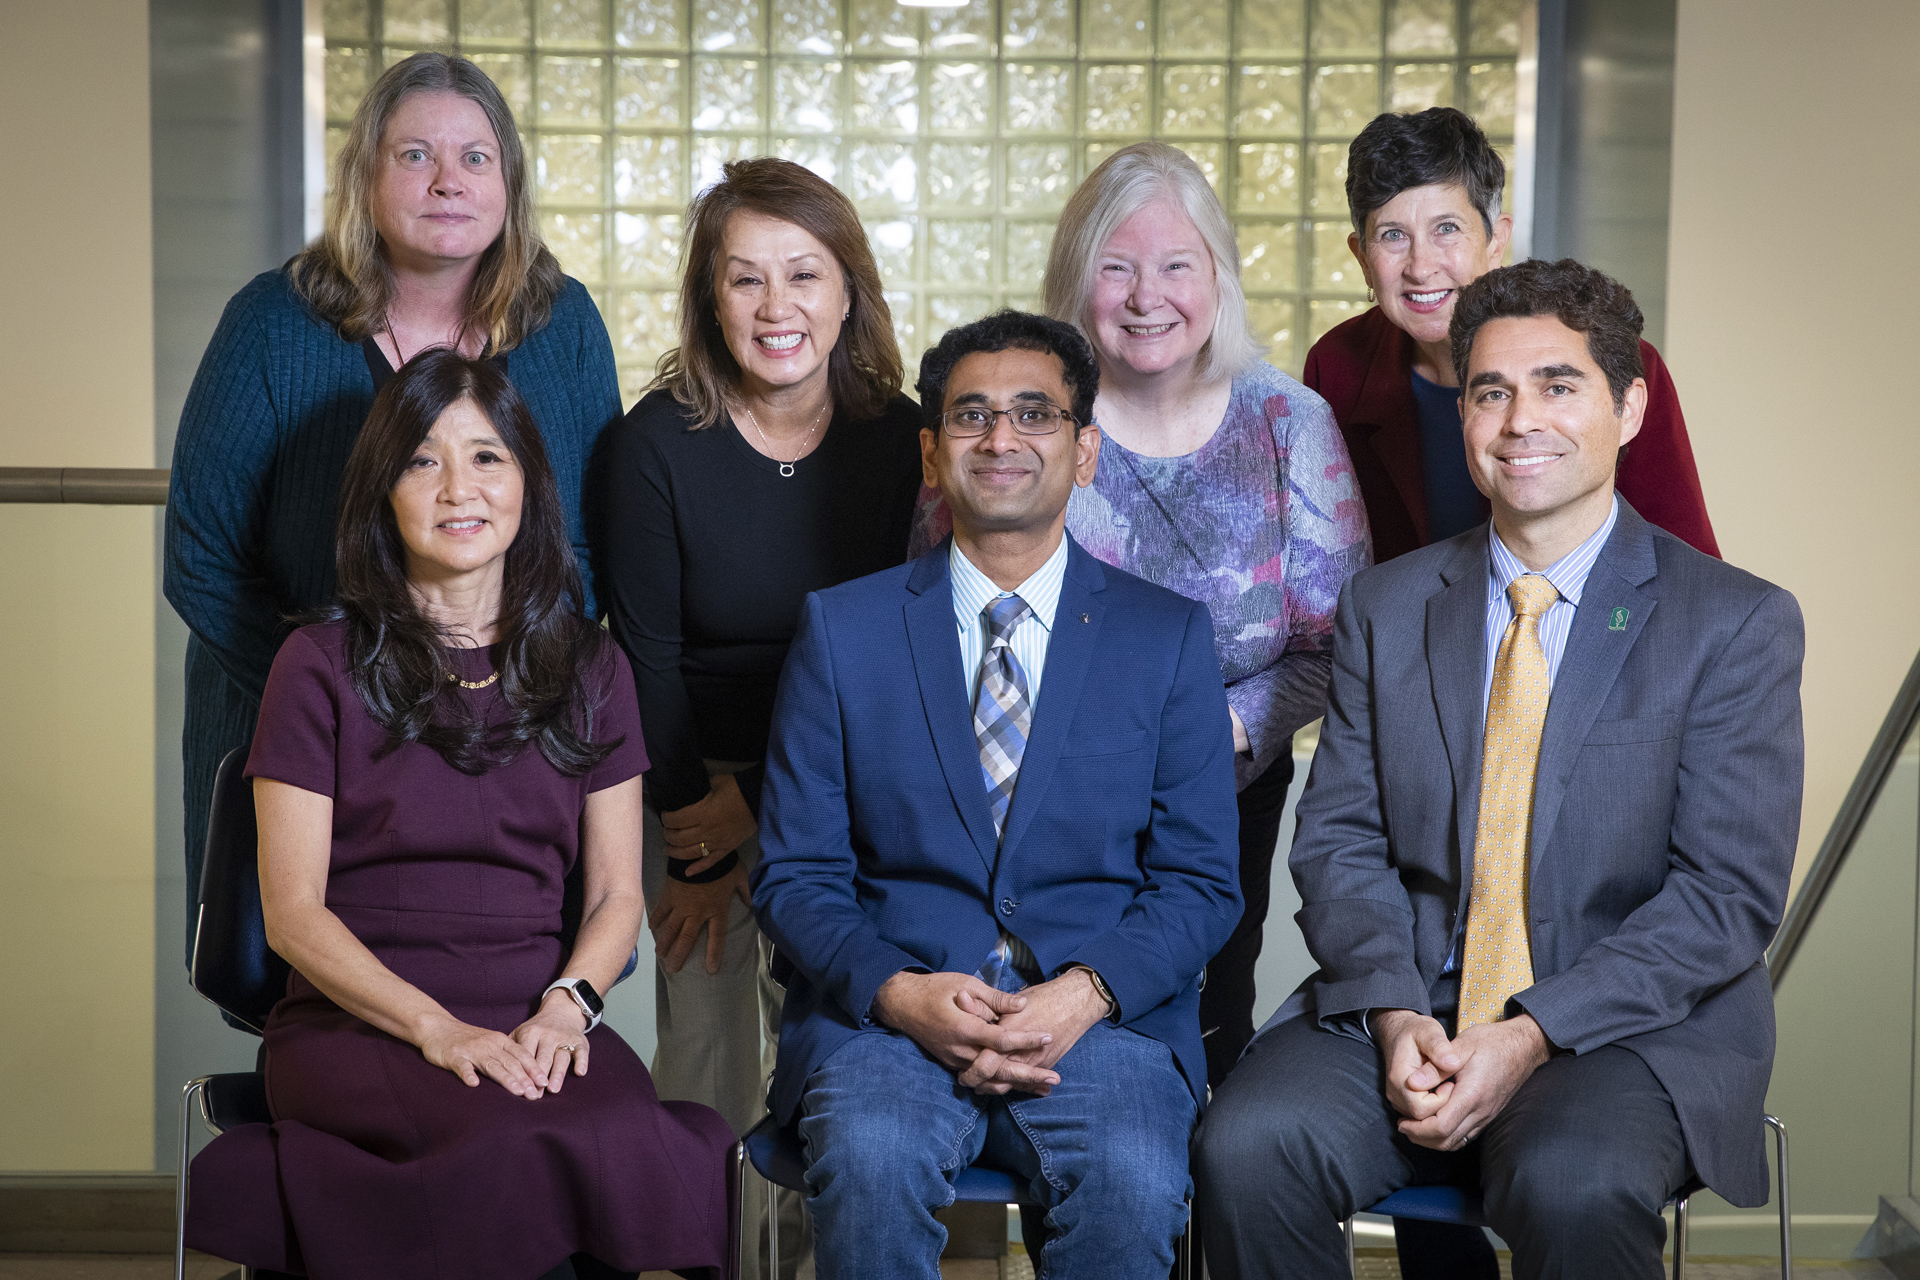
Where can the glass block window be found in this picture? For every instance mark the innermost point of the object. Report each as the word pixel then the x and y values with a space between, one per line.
pixel 959 133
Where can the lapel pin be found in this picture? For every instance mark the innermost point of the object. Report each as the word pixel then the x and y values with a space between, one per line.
pixel 1617 622
pixel 1086 617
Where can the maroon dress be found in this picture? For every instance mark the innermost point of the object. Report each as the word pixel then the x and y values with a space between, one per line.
pixel 388 1166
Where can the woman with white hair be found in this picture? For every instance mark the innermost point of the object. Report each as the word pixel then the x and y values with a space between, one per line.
pixel 1220 477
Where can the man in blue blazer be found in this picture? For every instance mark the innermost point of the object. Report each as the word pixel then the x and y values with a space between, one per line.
pixel 1542 850
pixel 998 847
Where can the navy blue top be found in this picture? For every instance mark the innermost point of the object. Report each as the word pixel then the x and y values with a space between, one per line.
pixel 1453 504
pixel 277 403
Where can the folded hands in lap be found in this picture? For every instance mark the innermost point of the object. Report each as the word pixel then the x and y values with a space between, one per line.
pixel 996 1041
pixel 1447 1091
pixel 528 1063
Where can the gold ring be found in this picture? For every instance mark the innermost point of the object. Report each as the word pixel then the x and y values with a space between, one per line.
pixel 703 848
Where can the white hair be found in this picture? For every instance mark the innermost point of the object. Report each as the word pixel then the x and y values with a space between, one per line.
pixel 1125 183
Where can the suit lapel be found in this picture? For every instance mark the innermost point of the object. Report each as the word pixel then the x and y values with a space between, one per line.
pixel 1456 663
pixel 1594 656
pixel 1070 651
pixel 934 637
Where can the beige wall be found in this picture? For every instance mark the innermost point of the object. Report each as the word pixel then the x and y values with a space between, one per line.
pixel 1792 280
pixel 76 591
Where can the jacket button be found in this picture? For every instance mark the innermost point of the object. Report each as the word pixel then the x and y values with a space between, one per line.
pixel 1007 905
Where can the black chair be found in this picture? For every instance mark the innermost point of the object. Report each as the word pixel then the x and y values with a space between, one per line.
pixel 1462 1207
pixel 777 1155
pixel 233 968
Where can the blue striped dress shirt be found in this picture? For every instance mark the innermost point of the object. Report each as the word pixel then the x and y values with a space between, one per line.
pixel 973 591
pixel 1568 576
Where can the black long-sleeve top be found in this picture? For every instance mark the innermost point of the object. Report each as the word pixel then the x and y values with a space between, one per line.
pixel 707 554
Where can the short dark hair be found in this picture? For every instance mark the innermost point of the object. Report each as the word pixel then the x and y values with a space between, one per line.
pixel 1398 152
pixel 1588 302
pixel 1011 331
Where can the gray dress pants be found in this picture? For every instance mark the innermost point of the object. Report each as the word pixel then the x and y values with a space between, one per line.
pixel 1575 1170
pixel 718 1034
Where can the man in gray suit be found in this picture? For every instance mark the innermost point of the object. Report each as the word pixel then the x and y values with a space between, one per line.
pixel 1544 844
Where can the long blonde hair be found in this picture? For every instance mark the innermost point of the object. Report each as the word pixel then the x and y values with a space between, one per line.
pixel 1123 184
pixel 344 275
pixel 863 369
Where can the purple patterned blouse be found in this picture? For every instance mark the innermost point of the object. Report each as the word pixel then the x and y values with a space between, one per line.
pixel 1262 524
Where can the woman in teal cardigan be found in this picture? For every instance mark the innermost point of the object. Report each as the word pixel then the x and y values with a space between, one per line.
pixel 430 242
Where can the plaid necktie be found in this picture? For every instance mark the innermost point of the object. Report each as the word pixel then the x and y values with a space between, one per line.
pixel 1002 711
pixel 1499 960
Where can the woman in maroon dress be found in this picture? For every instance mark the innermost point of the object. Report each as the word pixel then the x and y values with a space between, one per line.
pixel 429 763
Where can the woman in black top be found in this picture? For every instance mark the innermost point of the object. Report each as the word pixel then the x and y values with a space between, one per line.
pixel 773 456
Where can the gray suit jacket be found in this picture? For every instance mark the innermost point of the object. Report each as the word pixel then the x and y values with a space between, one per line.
pixel 1666 809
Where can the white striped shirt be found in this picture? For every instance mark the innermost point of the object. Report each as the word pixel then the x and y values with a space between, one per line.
pixel 973 591
pixel 1568 576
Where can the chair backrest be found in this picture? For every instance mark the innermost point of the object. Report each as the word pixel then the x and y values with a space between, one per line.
pixel 232 964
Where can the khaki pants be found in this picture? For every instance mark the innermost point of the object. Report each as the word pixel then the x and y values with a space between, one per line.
pixel 718 1034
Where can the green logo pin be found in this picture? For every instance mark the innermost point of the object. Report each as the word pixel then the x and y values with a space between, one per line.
pixel 1618 622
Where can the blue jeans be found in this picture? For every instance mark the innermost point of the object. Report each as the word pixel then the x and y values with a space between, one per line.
pixel 886 1128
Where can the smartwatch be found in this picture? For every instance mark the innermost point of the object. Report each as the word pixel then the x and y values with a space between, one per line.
pixel 583 995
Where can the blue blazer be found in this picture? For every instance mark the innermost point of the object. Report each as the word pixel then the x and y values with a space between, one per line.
pixel 877 847
pixel 1666 809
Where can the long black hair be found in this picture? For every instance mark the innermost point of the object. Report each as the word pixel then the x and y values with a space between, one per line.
pixel 553 664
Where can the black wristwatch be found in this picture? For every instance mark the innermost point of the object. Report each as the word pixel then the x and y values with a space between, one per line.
pixel 583 995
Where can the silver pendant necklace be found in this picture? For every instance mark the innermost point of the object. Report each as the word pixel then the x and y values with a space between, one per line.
pixel 786 468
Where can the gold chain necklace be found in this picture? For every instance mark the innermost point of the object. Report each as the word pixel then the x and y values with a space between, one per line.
pixel 472 684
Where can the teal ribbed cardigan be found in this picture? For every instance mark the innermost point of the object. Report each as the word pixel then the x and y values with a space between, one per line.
pixel 263 442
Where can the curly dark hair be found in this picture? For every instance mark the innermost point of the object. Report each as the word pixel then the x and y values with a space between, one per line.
pixel 1011 331
pixel 1398 152
pixel 554 665
pixel 1588 302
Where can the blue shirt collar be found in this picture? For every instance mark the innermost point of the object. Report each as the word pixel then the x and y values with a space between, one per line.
pixel 973 590
pixel 1568 574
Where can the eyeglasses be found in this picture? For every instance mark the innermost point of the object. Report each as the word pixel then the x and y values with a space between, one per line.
pixel 1027 419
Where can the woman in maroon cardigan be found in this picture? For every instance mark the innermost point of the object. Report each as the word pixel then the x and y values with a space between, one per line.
pixel 1424 192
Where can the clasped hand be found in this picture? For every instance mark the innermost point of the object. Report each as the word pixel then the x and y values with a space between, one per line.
pixel 996 1041
pixel 1447 1091
pixel 529 1063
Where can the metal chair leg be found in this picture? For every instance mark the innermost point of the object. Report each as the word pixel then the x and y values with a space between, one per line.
pixel 1680 1238
pixel 773 1232
pixel 1786 1212
pixel 1353 1263
pixel 187 1096
pixel 1183 1249
pixel 737 1219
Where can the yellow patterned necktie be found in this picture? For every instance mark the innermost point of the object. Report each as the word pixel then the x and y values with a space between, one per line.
pixel 1499 960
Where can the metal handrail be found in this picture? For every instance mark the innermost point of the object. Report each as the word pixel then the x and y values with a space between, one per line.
pixel 114 486
pixel 1899 723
